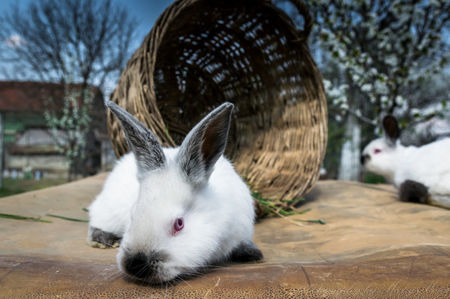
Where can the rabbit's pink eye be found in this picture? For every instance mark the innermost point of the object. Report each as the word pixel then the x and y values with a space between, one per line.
pixel 178 225
pixel 377 151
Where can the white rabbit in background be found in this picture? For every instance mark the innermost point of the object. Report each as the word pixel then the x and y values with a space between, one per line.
pixel 422 174
pixel 174 210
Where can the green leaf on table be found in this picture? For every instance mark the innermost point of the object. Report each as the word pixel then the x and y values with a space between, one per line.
pixel 67 218
pixel 19 217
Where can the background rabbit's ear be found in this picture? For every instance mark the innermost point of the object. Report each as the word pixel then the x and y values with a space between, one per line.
pixel 391 129
pixel 145 146
pixel 204 144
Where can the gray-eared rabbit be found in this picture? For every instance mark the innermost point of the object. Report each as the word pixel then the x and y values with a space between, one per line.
pixel 174 210
pixel 422 174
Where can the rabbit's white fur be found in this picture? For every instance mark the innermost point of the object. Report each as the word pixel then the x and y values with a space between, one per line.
pixel 428 164
pixel 111 208
pixel 141 209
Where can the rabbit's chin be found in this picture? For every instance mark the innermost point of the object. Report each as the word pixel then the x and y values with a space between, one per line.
pixel 156 278
pixel 163 275
pixel 160 277
pixel 381 168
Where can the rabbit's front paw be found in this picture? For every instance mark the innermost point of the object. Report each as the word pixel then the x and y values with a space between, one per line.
pixel 246 252
pixel 102 239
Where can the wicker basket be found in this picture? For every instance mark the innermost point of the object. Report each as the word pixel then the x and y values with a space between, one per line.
pixel 201 53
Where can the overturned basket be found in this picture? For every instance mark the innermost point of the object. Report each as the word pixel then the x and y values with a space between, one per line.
pixel 201 53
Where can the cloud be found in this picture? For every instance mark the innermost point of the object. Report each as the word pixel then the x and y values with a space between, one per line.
pixel 14 41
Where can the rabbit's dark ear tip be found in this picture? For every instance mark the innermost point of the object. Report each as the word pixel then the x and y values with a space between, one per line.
pixel 390 123
pixel 391 127
pixel 389 118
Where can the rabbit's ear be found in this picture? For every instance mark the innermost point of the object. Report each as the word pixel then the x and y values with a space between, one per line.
pixel 145 146
pixel 391 128
pixel 204 145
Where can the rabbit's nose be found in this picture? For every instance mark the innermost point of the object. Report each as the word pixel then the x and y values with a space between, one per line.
pixel 364 158
pixel 142 265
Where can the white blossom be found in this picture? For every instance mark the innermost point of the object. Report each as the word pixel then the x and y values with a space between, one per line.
pixel 366 87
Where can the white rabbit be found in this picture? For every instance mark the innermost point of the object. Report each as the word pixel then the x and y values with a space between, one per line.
pixel 422 173
pixel 174 210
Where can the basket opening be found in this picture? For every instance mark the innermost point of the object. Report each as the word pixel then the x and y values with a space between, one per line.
pixel 226 51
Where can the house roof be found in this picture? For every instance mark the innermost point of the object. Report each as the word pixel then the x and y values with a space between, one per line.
pixel 21 96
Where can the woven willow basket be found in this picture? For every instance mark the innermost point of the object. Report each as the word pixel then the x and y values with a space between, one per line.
pixel 201 53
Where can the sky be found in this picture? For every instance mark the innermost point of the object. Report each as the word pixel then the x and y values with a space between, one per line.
pixel 145 11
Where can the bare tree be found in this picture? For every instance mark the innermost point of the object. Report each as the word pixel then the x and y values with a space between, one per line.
pixel 67 41
pixel 73 42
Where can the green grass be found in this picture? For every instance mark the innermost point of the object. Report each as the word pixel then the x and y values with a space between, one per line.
pixel 371 178
pixel 11 186
pixel 283 208
pixel 319 221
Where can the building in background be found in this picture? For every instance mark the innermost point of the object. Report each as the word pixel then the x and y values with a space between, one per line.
pixel 28 147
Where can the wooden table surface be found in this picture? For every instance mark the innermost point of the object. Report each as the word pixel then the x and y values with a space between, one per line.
pixel 372 246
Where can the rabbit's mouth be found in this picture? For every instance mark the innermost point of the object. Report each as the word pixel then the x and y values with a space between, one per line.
pixel 163 274
pixel 364 159
pixel 147 274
